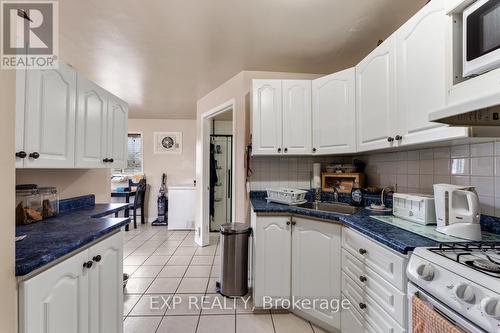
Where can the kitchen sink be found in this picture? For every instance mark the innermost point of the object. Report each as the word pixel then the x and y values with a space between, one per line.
pixel 332 207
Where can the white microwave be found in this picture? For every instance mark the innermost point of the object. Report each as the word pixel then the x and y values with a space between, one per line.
pixel 481 37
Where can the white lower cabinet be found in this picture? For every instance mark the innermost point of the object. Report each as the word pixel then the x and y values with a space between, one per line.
pixel 70 298
pixel 374 281
pixel 297 258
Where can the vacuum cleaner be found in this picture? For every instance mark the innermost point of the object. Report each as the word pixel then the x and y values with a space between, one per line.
pixel 162 219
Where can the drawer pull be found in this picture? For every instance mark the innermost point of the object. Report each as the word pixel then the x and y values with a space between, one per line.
pixel 362 251
pixel 362 278
pixel 362 306
pixel 97 258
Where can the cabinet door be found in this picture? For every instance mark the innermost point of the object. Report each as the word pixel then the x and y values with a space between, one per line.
pixel 272 259
pixel 334 113
pixel 297 117
pixel 56 300
pixel 50 118
pixel 91 125
pixel 266 117
pixel 352 321
pixel 117 132
pixel 375 98
pixel 421 71
pixel 20 111
pixel 105 286
pixel 316 247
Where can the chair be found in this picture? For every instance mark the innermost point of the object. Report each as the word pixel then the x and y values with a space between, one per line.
pixel 138 203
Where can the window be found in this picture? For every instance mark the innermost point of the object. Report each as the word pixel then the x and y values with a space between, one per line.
pixel 134 152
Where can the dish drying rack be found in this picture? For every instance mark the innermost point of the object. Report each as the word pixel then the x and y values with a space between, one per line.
pixel 286 196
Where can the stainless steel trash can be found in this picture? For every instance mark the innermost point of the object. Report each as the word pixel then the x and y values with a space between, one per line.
pixel 234 259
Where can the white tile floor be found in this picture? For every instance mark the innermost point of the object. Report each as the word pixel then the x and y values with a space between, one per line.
pixel 168 266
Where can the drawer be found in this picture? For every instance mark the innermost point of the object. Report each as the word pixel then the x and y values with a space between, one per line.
pixel 372 313
pixel 353 321
pixel 386 263
pixel 388 297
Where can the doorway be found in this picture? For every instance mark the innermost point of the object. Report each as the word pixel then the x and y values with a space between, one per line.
pixel 223 112
pixel 221 167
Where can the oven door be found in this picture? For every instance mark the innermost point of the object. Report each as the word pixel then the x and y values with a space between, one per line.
pixel 453 317
pixel 481 37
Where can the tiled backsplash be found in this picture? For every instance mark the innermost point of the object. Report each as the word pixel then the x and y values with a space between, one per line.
pixel 412 171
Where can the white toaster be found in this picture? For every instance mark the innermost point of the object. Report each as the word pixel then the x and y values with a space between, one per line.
pixel 418 208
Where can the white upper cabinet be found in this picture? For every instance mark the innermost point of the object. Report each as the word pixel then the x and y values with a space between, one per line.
pixel 421 76
pixel 266 117
pixel 91 125
pixel 117 132
pixel 334 113
pixel 316 265
pixel 375 98
pixel 56 300
pixel 296 117
pixel 49 119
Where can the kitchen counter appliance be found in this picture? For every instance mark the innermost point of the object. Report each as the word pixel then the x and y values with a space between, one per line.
pixel 418 208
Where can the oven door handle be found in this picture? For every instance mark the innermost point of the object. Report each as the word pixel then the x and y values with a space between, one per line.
pixel 443 310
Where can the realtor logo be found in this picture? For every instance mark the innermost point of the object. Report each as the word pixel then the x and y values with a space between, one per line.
pixel 29 38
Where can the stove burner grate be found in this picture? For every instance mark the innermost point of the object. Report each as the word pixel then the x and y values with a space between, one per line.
pixel 484 264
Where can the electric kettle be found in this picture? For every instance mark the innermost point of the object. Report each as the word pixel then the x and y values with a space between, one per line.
pixel 457 211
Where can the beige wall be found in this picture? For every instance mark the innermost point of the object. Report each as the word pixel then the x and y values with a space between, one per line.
pixel 8 305
pixel 180 168
pixel 237 89
pixel 70 182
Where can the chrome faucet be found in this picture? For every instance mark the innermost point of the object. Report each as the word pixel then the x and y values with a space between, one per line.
pixel 317 195
pixel 335 194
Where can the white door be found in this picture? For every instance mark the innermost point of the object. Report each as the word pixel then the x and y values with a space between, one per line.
pixel 21 154
pixel 334 113
pixel 375 98
pixel 56 300
pixel 266 117
pixel 421 76
pixel 91 125
pixel 49 135
pixel 297 117
pixel 272 259
pixel 117 132
pixel 105 286
pixel 316 265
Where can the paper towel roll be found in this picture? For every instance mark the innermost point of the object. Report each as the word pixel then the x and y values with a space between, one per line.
pixel 316 181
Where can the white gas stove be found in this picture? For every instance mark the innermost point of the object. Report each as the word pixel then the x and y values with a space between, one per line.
pixel 461 281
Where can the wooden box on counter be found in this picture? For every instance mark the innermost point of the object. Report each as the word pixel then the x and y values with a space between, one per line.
pixel 344 182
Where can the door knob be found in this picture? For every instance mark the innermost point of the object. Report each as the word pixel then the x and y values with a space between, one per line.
pixel 288 222
pixel 390 139
pixel 398 137
pixel 362 306
pixel 34 155
pixel 97 258
pixel 314 150
pixel 286 150
pixel 87 264
pixel 362 251
pixel 279 150
pixel 362 278
pixel 21 154
pixel 111 160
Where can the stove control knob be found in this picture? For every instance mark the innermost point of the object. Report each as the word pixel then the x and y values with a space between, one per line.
pixel 491 307
pixel 425 272
pixel 464 292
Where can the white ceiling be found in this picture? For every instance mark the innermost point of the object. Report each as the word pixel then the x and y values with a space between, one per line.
pixel 161 56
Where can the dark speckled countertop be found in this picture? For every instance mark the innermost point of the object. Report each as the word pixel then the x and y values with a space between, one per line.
pixel 56 237
pixel 397 239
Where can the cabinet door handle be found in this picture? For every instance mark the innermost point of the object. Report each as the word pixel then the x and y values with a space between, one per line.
pixel 362 306
pixel 362 278
pixel 21 154
pixel 288 223
pixel 314 150
pixel 398 137
pixel 279 150
pixel 294 223
pixel 286 150
pixel 34 155
pixel 111 160
pixel 87 264
pixel 105 160
pixel 97 258
pixel 390 139
pixel 362 251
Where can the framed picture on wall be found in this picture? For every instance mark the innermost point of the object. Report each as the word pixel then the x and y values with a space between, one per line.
pixel 168 142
